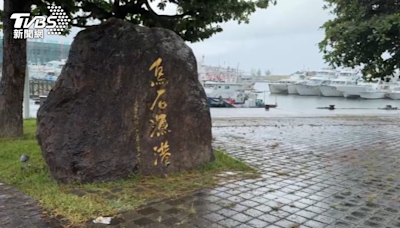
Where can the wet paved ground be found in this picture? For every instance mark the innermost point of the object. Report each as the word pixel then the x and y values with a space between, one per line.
pixel 18 210
pixel 315 172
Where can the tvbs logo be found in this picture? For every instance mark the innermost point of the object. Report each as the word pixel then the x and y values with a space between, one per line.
pixel 40 22
pixel 24 28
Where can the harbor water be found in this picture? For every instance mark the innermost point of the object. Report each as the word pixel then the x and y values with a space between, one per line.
pixel 303 106
pixel 298 106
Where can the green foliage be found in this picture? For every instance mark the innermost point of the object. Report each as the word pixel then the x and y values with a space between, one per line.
pixel 70 7
pixel 195 20
pixel 259 72
pixel 361 33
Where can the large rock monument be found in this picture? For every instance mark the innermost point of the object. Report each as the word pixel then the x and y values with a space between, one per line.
pixel 128 101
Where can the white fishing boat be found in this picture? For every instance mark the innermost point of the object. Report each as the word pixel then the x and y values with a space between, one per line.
pixel 292 87
pixel 331 90
pixel 52 75
pixel 55 64
pixel 375 92
pixel 345 78
pixel 232 92
pixel 285 86
pixel 311 87
pixel 394 93
pixel 354 91
pixel 50 71
pixel 302 79
pixel 279 87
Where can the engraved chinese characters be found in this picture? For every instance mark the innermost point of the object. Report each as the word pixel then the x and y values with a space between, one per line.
pixel 159 122
pixel 159 125
pixel 164 153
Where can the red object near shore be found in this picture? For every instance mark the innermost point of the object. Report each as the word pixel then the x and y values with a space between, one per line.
pixel 231 101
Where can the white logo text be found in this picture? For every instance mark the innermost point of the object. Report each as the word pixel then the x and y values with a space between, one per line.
pixel 24 28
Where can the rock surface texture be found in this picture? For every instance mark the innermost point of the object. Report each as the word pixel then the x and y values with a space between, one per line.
pixel 127 101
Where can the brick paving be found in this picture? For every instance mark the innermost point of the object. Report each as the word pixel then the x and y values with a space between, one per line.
pixel 315 172
pixel 19 211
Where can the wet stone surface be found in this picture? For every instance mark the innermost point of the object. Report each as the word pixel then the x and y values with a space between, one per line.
pixel 315 172
pixel 19 210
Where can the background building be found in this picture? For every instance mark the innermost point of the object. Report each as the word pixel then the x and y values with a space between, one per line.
pixel 42 51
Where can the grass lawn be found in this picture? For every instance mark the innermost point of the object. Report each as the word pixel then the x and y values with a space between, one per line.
pixel 78 203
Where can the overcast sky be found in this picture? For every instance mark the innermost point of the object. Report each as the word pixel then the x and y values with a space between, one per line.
pixel 282 38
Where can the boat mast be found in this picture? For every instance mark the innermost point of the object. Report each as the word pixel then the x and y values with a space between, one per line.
pixel 237 74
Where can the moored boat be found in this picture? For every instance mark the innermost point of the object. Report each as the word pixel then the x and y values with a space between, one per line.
pixel 373 94
pixel 378 92
pixel 345 78
pixel 232 92
pixel 394 93
pixel 292 89
pixel 286 86
pixel 354 91
pixel 311 87
pixel 278 88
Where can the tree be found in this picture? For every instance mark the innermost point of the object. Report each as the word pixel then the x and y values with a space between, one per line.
pixel 258 72
pixel 253 72
pixel 267 73
pixel 196 20
pixel 362 33
pixel 13 73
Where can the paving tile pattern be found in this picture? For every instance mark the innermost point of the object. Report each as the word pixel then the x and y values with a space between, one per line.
pixel 321 172
pixel 315 172
pixel 19 211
